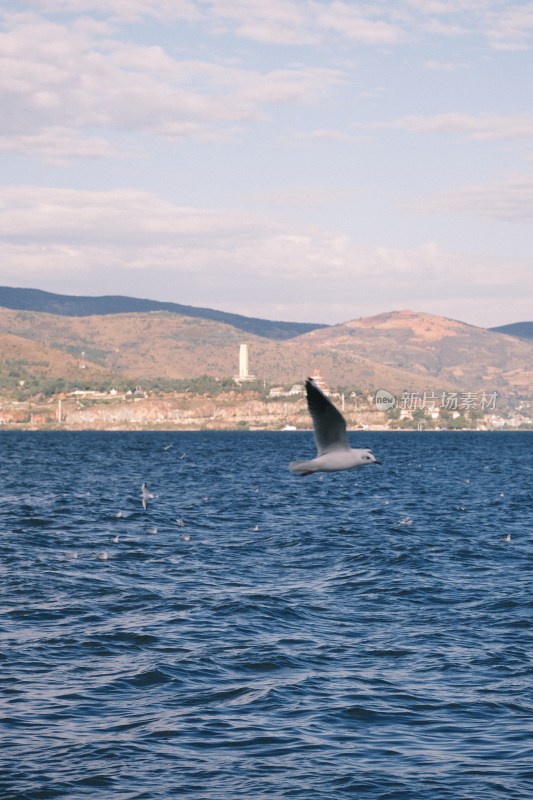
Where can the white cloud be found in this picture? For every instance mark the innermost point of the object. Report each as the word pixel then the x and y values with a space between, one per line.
pixel 123 10
pixel 101 242
pixel 58 77
pixel 508 200
pixel 510 28
pixel 448 7
pixel 326 135
pixel 506 26
pixel 439 28
pixel 444 66
pixel 60 146
pixel 483 127
pixel 355 23
pixel 79 76
pixel 117 217
pixel 82 80
pixel 277 22
pixel 303 197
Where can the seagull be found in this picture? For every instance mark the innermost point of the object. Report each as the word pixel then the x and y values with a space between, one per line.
pixel 146 496
pixel 405 521
pixel 334 451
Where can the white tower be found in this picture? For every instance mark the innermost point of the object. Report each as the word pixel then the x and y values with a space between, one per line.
pixel 243 375
pixel 243 362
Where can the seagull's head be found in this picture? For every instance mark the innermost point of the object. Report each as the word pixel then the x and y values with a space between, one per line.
pixel 369 457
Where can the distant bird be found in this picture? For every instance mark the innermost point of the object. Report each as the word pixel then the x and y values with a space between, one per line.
pixel 185 537
pixel 119 515
pixel 331 438
pixel 146 496
pixel 405 521
pixel 103 556
pixel 506 538
pixel 151 530
pixel 180 522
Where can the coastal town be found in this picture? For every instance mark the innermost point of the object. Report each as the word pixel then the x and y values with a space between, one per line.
pixel 244 402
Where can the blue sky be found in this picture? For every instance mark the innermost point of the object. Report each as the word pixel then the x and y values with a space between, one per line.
pixel 290 159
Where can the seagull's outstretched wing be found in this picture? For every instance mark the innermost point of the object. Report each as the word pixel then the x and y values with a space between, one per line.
pixel 145 496
pixel 328 423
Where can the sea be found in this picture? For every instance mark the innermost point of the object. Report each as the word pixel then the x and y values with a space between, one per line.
pixel 254 634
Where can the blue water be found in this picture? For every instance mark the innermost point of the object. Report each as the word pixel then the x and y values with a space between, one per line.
pixel 363 635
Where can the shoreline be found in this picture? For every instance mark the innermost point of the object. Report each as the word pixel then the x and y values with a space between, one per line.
pixel 163 429
pixel 236 411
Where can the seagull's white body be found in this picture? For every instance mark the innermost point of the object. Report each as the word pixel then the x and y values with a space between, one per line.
pixel 334 451
pixel 146 496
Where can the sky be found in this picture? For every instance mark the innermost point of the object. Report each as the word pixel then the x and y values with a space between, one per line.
pixel 301 160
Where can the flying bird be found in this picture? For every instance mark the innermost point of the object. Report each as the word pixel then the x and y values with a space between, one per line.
pixel 333 449
pixel 146 496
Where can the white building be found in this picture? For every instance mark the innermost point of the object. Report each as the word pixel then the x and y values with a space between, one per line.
pixel 317 378
pixel 244 374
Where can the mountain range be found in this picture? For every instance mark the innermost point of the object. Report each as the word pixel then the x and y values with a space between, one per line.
pixel 57 336
pixel 82 306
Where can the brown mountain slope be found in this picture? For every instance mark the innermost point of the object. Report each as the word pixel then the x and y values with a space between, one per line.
pixel 21 358
pixel 166 345
pixel 398 350
pixel 434 348
pixel 153 344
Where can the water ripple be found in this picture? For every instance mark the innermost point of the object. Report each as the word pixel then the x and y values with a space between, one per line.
pixel 253 635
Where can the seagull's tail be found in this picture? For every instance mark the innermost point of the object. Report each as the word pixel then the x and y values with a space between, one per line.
pixel 301 467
